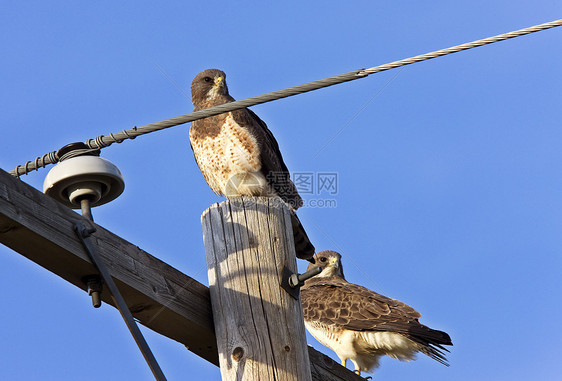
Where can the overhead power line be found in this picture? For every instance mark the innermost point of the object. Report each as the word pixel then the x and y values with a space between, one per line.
pixel 105 141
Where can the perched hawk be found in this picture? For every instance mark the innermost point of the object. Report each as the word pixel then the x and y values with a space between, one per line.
pixel 235 151
pixel 361 325
pixel 238 155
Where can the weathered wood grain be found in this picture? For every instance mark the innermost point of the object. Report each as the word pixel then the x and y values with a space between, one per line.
pixel 159 296
pixel 325 369
pixel 259 326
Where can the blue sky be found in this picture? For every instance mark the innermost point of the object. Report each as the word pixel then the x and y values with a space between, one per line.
pixel 449 177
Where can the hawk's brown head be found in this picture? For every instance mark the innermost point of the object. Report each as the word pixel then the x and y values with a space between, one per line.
pixel 208 85
pixel 330 262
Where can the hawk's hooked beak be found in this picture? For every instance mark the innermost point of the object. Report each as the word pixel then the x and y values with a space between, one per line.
pixel 334 262
pixel 219 81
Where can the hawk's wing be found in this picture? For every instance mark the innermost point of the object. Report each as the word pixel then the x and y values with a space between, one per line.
pixel 350 306
pixel 273 166
pixel 335 301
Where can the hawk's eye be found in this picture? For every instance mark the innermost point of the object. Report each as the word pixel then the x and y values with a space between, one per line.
pixel 207 79
pixel 323 259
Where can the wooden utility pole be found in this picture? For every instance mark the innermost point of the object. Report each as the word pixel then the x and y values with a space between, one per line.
pixel 259 326
pixel 159 296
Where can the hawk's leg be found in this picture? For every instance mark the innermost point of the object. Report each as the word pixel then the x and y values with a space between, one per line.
pixel 357 367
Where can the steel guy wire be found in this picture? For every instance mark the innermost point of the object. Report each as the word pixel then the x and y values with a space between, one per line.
pixel 105 141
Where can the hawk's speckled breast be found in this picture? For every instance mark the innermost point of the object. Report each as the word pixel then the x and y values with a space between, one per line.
pixel 232 152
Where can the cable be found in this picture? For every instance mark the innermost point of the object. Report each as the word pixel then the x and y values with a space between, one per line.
pixel 105 141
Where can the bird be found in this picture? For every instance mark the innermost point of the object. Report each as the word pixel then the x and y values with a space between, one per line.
pixel 361 325
pixel 238 155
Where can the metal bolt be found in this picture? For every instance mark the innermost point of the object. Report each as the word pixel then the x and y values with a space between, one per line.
pixel 93 282
pixel 297 280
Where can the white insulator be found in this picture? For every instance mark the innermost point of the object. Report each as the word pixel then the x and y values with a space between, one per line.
pixel 85 189
pixel 80 177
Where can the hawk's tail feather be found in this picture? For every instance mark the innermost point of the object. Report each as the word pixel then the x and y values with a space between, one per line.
pixel 431 343
pixel 435 351
pixel 303 247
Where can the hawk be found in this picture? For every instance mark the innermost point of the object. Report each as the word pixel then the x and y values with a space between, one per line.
pixel 361 325
pixel 238 154
pixel 235 151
